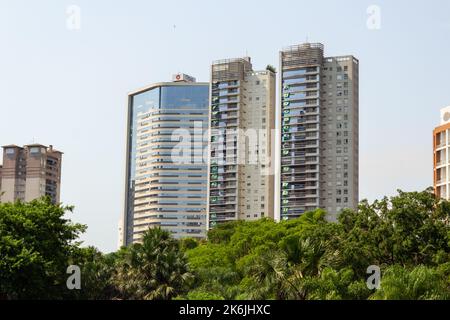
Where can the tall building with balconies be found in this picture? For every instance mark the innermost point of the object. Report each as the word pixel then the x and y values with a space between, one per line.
pixel 242 119
pixel 319 131
pixel 441 153
pixel 30 172
pixel 166 179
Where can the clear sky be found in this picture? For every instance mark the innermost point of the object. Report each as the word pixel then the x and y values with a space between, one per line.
pixel 69 87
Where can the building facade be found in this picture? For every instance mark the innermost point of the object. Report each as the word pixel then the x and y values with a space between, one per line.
pixel 30 172
pixel 242 119
pixel 441 153
pixel 165 170
pixel 319 132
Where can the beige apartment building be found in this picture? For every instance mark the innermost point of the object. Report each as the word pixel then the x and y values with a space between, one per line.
pixel 242 120
pixel 30 172
pixel 319 101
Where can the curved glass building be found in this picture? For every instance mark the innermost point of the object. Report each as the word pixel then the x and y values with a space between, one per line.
pixel 166 175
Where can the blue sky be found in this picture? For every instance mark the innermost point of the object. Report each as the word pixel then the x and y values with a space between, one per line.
pixel 69 88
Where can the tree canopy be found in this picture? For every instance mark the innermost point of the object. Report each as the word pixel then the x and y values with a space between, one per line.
pixel 407 236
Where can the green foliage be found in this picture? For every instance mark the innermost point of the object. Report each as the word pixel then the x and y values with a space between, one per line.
pixel 153 269
pixel 309 258
pixel 407 236
pixel 271 68
pixel 36 244
pixel 97 270
pixel 418 283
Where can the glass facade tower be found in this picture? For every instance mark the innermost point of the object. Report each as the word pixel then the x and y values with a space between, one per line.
pixel 166 175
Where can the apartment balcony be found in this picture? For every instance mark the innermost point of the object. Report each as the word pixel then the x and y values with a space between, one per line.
pixel 222 186
pixel 226 85
pixel 441 144
pixel 441 163
pixel 223 211
pixel 224 109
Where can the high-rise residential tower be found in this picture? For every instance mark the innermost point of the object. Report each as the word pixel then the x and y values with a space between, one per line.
pixel 30 172
pixel 165 171
pixel 242 117
pixel 319 131
pixel 441 156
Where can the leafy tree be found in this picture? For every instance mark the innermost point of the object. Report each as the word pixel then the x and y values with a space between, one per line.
pixel 36 244
pixel 97 270
pixel 419 283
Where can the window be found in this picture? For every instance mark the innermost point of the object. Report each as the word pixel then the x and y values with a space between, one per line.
pixel 257 82
pixel 9 151
pixel 34 150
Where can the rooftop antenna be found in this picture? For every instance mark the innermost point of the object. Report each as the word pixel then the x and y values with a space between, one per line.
pixel 306 39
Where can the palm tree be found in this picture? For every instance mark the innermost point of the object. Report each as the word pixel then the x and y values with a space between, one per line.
pixel 273 278
pixel 154 269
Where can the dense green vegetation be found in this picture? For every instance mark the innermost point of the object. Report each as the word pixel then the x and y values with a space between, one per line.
pixel 407 236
